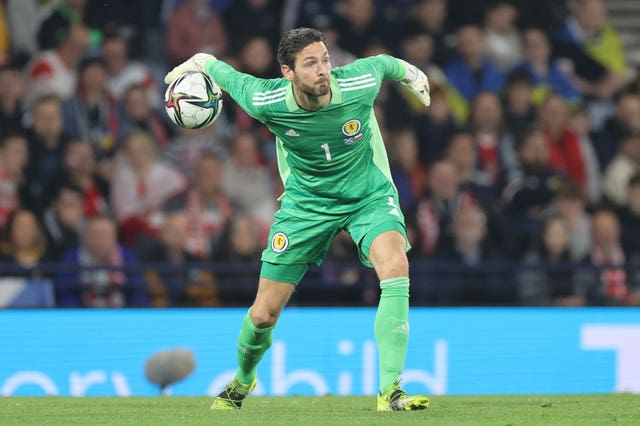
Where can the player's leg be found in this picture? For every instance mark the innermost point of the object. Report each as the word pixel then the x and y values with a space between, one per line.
pixel 388 256
pixel 294 243
pixel 258 324
pixel 255 334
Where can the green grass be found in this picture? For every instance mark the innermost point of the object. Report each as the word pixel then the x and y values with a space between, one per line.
pixel 620 409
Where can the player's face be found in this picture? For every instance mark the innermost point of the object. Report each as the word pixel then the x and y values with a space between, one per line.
pixel 312 71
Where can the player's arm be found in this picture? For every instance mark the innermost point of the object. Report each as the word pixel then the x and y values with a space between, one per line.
pixel 239 85
pixel 407 74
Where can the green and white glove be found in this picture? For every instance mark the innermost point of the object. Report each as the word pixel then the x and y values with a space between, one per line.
pixel 416 81
pixel 193 64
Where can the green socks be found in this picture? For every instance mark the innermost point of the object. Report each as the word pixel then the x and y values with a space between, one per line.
pixel 391 329
pixel 253 342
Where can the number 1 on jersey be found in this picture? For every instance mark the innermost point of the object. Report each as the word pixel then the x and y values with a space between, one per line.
pixel 327 153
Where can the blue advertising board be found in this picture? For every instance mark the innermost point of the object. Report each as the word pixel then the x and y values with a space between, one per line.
pixel 320 351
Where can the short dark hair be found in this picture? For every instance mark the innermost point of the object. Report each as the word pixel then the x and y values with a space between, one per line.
pixel 293 41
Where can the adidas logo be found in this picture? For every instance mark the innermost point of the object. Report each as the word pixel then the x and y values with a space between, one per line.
pixel 402 329
pixel 291 132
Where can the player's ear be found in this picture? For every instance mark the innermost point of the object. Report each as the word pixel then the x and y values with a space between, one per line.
pixel 287 72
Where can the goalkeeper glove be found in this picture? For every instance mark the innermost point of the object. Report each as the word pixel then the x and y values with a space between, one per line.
pixel 416 81
pixel 193 64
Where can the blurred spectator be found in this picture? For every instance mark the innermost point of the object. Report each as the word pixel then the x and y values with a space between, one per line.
pixel 92 114
pixel 100 273
pixel 173 280
pixel 520 114
pixel 194 27
pixel 80 171
pixel 139 114
pixel 470 274
pixel 132 19
pixel 239 263
pixel 434 130
pixel 429 221
pixel 461 152
pixel 630 220
pixel 624 165
pixel 407 172
pixel 570 201
pixel 25 18
pixel 246 19
pixel 63 220
pixel 54 27
pixel 432 15
pixel 14 155
pixel 416 47
pixel 123 73
pixel 243 240
pixel 502 38
pixel 496 162
pixel 607 280
pixel 53 71
pixel 581 124
pixel 207 207
pixel 470 72
pixel 525 199
pixel 546 75
pixel 256 57
pixel 338 55
pixel 12 100
pixel 23 242
pixel 341 266
pixel 247 182
pixel 564 144
pixel 625 120
pixel 47 143
pixel 593 48
pixel 185 150
pixel 141 185
pixel 547 275
pixel 359 27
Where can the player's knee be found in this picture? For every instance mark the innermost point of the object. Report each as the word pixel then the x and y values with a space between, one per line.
pixel 394 265
pixel 263 317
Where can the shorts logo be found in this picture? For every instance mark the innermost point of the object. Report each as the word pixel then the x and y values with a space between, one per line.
pixel 279 242
pixel 351 129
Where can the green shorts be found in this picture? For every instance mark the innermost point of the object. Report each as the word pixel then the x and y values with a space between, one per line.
pixel 295 242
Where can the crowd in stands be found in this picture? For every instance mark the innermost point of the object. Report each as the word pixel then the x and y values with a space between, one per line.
pixel 520 184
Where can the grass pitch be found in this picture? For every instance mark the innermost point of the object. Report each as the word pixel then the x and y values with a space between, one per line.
pixel 619 409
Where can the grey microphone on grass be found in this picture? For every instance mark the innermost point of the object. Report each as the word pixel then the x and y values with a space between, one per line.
pixel 165 368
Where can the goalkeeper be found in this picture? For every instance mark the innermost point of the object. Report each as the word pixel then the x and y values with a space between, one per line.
pixel 332 161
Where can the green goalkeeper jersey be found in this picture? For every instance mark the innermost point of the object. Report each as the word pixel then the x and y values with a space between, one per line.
pixel 332 160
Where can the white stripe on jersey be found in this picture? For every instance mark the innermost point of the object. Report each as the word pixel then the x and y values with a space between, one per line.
pixel 360 77
pixel 269 93
pixel 364 86
pixel 355 83
pixel 258 102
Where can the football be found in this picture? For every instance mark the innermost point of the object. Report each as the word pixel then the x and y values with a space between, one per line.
pixel 193 100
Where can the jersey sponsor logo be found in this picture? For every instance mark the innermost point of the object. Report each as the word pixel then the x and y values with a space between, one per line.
pixel 351 129
pixel 279 242
pixel 291 132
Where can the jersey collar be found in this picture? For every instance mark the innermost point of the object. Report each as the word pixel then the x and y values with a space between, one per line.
pixel 336 95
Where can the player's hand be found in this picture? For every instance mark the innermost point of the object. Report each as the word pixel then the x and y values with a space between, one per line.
pixel 416 81
pixel 193 64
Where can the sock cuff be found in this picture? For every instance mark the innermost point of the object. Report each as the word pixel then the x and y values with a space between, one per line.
pixel 394 282
pixel 249 323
